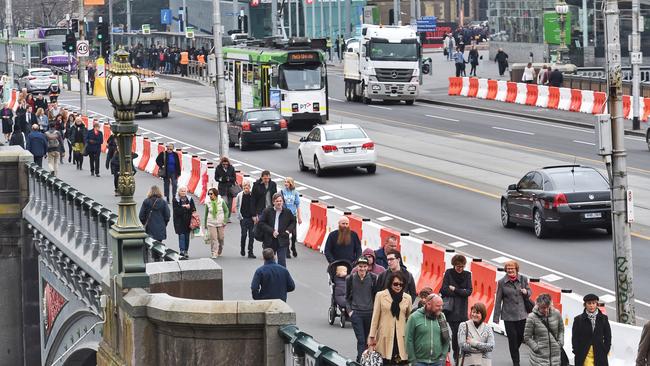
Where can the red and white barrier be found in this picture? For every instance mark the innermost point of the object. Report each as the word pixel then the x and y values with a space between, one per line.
pixel 502 90
pixel 302 229
pixel 542 96
pixel 153 154
pixel 186 170
pixel 521 93
pixel 482 89
pixel 371 235
pixel 139 146
pixel 464 91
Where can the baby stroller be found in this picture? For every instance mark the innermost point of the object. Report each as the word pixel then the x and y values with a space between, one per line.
pixel 338 271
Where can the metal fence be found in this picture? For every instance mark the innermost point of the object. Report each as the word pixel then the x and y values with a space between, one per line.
pixel 301 349
pixel 198 71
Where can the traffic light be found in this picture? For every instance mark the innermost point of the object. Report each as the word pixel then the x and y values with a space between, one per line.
pixel 254 3
pixel 102 32
pixel 70 43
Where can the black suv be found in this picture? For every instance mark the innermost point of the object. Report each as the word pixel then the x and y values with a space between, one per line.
pixel 258 126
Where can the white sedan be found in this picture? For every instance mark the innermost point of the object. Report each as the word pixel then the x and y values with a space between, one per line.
pixel 337 146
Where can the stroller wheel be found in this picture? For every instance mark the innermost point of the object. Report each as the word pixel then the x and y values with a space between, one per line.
pixel 331 315
pixel 342 319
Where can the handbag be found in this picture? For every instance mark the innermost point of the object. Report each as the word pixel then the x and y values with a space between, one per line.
pixel 448 303
pixel 371 358
pixel 234 190
pixel 195 221
pixel 564 359
pixel 150 211
pixel 528 303
pixel 162 172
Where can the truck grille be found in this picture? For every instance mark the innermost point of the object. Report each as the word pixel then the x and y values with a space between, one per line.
pixel 394 75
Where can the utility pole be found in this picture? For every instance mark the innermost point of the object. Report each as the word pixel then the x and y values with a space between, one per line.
pixel 298 18
pixel 338 11
pixel 321 31
pixel 635 59
pixel 274 17
pixel 235 20
pixel 128 22
pixel 622 214
pixel 347 18
pixel 10 50
pixel 329 20
pixel 110 29
pixel 413 12
pixel 313 19
pixel 217 32
pixel 289 15
pixel 81 61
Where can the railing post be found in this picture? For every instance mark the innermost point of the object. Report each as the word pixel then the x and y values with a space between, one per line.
pixel 104 220
pixel 86 219
pixel 45 210
pixel 94 230
pixel 63 202
pixel 58 207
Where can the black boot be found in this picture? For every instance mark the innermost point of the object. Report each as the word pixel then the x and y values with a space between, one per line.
pixel 251 255
pixel 242 252
pixel 288 253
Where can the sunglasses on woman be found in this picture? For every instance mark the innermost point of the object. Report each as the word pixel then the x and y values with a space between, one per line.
pixel 398 284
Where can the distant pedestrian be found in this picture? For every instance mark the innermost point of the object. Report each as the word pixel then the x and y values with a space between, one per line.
pixel 7 121
pixel 114 166
pixel 459 60
pixel 456 288
pixel 37 144
pixel 591 336
pixel 183 207
pixel 337 48
pixel 271 281
pixel 544 333
pixel 329 48
pixel 395 265
pixel 555 78
pixel 77 137
pixel 277 223
pixel 428 334
pixel 343 243
pixel 18 139
pixel 512 291
pixel 643 353
pixel 226 177
pixel 41 118
pixel 292 202
pixel 528 76
pixel 214 222
pixel 169 169
pixel 450 45
pixel 373 267
pixel 90 85
pixel 422 298
pixel 502 59
pixel 473 60
pixel 54 143
pixel 542 77
pixel 476 338
pixel 154 214
pixel 389 244
pixel 263 190
pixel 245 209
pixel 111 148
pixel 94 141
pixel 390 312
pixel 360 291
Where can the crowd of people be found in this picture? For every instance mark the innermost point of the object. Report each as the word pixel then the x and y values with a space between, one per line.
pixel 165 59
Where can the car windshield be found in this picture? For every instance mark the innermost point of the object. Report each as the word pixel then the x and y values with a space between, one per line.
pixel 380 51
pixel 41 73
pixel 301 77
pixel 344 134
pixel 262 115
pixel 581 180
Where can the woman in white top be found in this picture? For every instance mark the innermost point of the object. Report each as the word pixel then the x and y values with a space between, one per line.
pixel 529 74
pixel 214 221
pixel 476 339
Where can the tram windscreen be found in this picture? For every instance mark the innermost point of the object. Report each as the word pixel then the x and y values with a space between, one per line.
pixel 301 77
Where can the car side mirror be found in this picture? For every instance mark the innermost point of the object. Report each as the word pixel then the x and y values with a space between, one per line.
pixel 303 139
pixel 512 187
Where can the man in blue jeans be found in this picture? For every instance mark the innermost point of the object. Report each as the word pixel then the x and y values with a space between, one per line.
pixel 360 290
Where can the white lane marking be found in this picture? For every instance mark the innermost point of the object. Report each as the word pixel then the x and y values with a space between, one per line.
pixel 334 99
pixel 325 197
pixel 445 118
pixel 551 277
pixel 584 142
pixel 501 260
pixel 236 165
pixel 301 188
pixel 419 230
pixel 607 298
pixel 460 243
pixel 513 131
pixel 380 107
pixel 200 153
pixel 353 207
pixel 253 172
pixel 384 218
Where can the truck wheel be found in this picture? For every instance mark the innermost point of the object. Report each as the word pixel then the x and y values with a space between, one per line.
pixel 165 110
pixel 348 92
pixel 409 102
pixel 364 99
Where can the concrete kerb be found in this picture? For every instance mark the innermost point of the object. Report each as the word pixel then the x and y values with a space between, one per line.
pixel 522 115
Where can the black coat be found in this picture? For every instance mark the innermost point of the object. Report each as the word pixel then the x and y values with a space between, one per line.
pixel 24 123
pixel 555 78
pixel 460 294
pixel 161 161
pixel 225 177
pixel 267 222
pixel 154 215
pixel 182 215
pixel 350 252
pixel 259 194
pixel 583 337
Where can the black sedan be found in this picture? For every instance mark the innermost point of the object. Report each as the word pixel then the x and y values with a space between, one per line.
pixel 258 126
pixel 558 197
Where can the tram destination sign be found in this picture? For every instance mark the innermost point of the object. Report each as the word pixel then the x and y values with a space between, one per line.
pixel 303 56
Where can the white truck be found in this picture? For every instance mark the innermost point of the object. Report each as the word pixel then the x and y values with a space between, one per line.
pixel 384 64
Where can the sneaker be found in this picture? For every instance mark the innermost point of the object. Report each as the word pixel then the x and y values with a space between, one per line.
pixel 213 256
pixel 251 255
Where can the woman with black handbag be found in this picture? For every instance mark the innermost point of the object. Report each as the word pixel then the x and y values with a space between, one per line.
pixel 456 288
pixel 513 293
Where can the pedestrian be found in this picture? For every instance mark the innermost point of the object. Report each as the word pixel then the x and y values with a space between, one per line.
pixel 428 334
pixel 183 206
pixel 31 102
pixel 476 338
pixel 643 353
pixel 328 46
pixel 460 62
pixel 214 222
pixel 111 148
pixel 271 281
pixel 473 60
pixel 544 333
pixel 154 214
pixel 277 223
pixel 513 291
pixel 169 169
pixel 69 123
pixel 18 138
pixel 555 78
pixel 451 46
pixel 7 121
pixel 226 177
pixel 390 244
pixel 41 118
pixel 184 61
pixel 37 144
pixel 502 59
pixel 59 126
pixel 40 102
pixel 115 171
pixel 456 288
pixel 390 312
pixel 542 77
pixel 591 336
pixel 292 202
pixel 395 265
pixel 343 243
pixel 94 141
pixel 27 120
pixel 263 190
pixel 528 76
pixel 360 291
pixel 337 48
pixel 373 267
pixel 77 137
pixel 245 209
pixel 54 143
pixel 90 84
pixel 422 298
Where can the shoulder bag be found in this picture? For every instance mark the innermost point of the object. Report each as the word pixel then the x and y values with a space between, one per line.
pixel 150 211
pixel 448 301
pixel 564 359
pixel 528 303
pixel 470 358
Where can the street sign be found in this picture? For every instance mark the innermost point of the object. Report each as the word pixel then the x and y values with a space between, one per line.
pixel 189 32
pixel 165 16
pixel 146 29
pixel 83 49
pixel 101 68
pixel 22 34
pixel 630 207
pixel 427 24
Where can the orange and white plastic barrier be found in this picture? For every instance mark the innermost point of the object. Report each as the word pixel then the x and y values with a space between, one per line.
pixel 305 210
pixel 161 148
pixel 502 90
pixel 542 96
pixel 317 225
pixel 153 154
pixel 139 145
pixel 411 250
pixel 432 267
pixel 203 172
pixel 522 93
pixel 356 224
pixel 483 89
pixel 464 91
pixel 484 285
pixel 371 235
pixel 186 170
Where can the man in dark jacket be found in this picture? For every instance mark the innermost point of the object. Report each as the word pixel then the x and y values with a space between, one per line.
pixel 343 243
pixel 94 141
pixel 591 333
pixel 40 102
pixel 277 223
pixel 555 78
pixel 271 281
pixel 263 190
pixel 37 144
pixel 26 120
pixel 395 265
pixel 502 59
pixel 389 245
pixel 169 169
pixel 360 291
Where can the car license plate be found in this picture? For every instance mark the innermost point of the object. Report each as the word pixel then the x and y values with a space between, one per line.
pixel 348 150
pixel 264 129
pixel 593 215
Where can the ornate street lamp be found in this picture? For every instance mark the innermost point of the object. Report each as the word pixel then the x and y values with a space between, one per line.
pixel 561 8
pixel 128 235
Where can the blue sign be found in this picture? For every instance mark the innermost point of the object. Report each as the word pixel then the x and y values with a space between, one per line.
pixel 274 97
pixel 426 24
pixel 165 16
